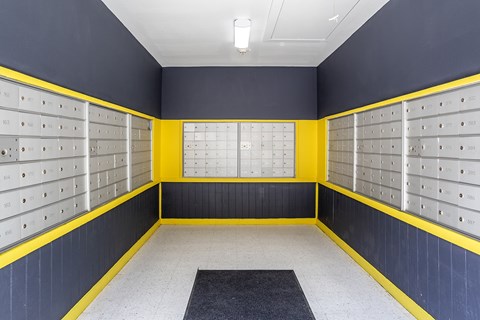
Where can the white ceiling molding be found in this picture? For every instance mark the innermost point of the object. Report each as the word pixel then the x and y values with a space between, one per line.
pixel 283 33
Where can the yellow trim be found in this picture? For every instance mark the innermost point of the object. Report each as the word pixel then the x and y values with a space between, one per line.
pixel 85 301
pixel 322 147
pixel 316 201
pixel 156 146
pixel 279 221
pixel 417 311
pixel 413 95
pixel 29 246
pixel 31 81
pixel 449 235
pixel 457 238
pixel 305 150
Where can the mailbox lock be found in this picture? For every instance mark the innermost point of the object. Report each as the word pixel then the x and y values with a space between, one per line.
pixel 461 195
pixel 23 175
pixel 44 195
pixel 462 124
pixel 4 152
pixel 460 219
pixel 440 212
pixel 440 168
pixel 462 171
pixel 24 226
pixel 441 104
pixel 45 218
pixel 440 190
pixel 463 99
pixel 24 200
pixel 440 125
pixel 461 147
pixel 44 171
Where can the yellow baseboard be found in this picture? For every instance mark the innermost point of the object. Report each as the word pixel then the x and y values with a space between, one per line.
pixel 417 311
pixel 279 221
pixel 83 303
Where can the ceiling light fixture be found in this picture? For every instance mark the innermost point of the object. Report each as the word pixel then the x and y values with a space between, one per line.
pixel 242 34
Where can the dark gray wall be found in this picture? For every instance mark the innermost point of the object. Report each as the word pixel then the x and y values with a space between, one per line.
pixel 80 45
pixel 407 46
pixel 239 93
pixel 238 200
pixel 48 282
pixel 441 277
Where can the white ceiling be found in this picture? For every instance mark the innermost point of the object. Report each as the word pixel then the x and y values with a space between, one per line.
pixel 284 32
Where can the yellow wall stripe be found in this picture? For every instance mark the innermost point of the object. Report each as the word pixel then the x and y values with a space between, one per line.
pixel 459 239
pixel 172 157
pixel 391 288
pixel 279 221
pixel 31 81
pixel 83 303
pixel 449 235
pixel 413 95
pixel 33 244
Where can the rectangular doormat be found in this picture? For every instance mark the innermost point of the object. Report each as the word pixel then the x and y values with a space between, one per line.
pixel 247 294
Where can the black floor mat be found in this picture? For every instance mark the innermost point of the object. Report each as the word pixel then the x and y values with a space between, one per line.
pixel 247 294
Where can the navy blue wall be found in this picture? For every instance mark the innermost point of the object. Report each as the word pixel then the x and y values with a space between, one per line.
pixel 80 45
pixel 407 46
pixel 441 277
pixel 239 93
pixel 238 200
pixel 48 282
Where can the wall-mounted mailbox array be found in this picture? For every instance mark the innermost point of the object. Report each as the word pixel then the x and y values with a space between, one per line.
pixel 210 149
pixel 108 154
pixel 422 157
pixel 341 151
pixel 141 151
pixel 378 169
pixel 442 163
pixel 54 164
pixel 245 149
pixel 43 163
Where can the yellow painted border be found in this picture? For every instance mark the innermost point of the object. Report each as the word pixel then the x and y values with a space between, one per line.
pixel 83 303
pixel 413 95
pixel 31 81
pixel 305 152
pixel 278 221
pixel 449 235
pixel 417 311
pixel 33 244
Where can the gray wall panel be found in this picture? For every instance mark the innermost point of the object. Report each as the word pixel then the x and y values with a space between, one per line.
pixel 239 93
pixel 406 46
pixel 238 200
pixel 441 277
pixel 48 282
